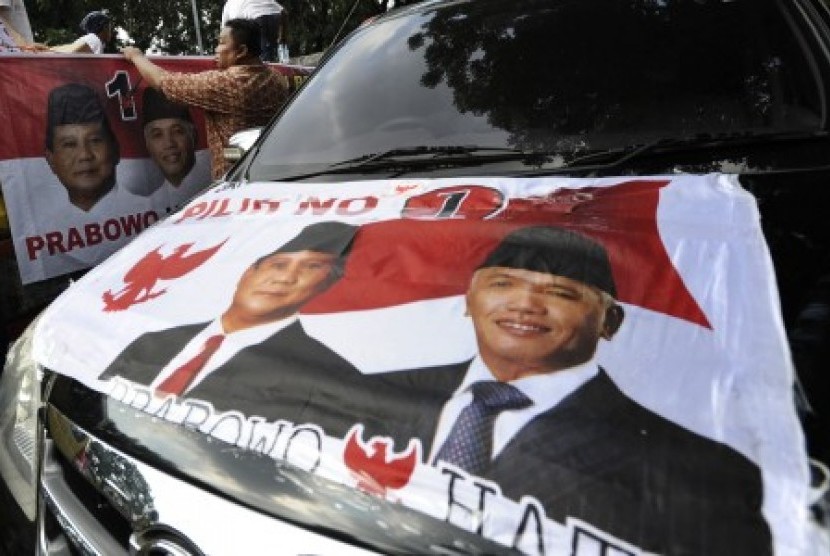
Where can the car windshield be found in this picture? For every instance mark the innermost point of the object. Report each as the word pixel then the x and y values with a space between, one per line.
pixel 491 75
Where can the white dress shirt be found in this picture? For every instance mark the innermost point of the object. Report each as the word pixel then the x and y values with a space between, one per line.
pixel 233 343
pixel 94 43
pixel 54 213
pixel 249 9
pixel 169 198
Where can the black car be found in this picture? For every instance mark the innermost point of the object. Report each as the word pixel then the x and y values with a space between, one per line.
pixel 646 95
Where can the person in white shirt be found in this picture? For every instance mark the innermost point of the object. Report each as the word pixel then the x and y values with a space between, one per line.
pixel 13 15
pixel 272 19
pixel 97 27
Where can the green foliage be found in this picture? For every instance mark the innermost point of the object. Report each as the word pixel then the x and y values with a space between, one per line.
pixel 167 26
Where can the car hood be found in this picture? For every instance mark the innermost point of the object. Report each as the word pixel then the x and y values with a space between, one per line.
pixel 331 417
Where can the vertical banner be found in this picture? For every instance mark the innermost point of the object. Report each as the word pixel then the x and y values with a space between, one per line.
pixel 92 156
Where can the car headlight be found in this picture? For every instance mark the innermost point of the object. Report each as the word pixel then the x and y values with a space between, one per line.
pixel 19 404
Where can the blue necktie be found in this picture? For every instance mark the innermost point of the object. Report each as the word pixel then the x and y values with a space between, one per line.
pixel 470 442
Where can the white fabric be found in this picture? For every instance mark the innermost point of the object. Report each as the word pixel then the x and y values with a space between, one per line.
pixel 31 191
pixel 94 43
pixel 249 9
pixel 14 11
pixel 545 391
pixel 723 381
pixel 64 215
pixel 231 345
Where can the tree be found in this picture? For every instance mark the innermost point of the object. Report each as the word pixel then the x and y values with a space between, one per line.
pixel 314 24
pixel 167 26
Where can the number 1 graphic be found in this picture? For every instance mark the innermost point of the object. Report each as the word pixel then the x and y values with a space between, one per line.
pixel 119 86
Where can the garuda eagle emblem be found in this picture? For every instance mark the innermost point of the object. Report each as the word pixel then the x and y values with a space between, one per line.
pixel 375 464
pixel 141 279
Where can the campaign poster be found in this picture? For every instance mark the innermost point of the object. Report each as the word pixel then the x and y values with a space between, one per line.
pixel 92 156
pixel 559 365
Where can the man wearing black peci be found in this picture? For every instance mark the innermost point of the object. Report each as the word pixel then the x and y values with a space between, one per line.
pixel 256 356
pixel 536 414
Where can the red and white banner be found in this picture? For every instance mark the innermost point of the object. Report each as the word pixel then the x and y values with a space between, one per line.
pixel 677 435
pixel 52 233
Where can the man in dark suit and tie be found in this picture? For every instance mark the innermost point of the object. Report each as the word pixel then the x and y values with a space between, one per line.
pixel 536 414
pixel 256 357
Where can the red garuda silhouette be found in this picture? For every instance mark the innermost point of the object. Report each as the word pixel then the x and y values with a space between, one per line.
pixel 376 467
pixel 152 267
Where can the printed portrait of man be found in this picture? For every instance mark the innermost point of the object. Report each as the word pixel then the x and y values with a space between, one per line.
pixel 170 137
pixel 81 149
pixel 255 357
pixel 535 413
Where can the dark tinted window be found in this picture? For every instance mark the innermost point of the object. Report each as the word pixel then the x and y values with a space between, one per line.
pixel 559 75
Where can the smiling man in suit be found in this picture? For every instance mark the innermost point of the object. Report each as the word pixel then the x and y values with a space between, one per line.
pixel 170 137
pixel 256 357
pixel 535 413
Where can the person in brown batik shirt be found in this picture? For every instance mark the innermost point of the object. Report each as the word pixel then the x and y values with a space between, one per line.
pixel 242 93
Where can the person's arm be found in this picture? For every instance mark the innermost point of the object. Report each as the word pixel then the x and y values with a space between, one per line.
pixel 148 70
pixel 35 47
pixel 80 46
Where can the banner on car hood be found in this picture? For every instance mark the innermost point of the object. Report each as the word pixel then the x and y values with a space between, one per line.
pixel 55 227
pixel 564 366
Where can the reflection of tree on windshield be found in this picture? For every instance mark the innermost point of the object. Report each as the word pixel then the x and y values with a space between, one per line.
pixel 561 74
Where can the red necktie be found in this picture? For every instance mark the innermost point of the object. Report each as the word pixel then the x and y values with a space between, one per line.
pixel 177 382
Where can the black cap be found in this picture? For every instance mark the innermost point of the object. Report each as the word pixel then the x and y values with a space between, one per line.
pixel 334 238
pixel 73 103
pixel 95 22
pixel 156 106
pixel 556 251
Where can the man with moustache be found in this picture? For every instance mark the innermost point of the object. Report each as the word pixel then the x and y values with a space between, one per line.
pixel 83 153
pixel 256 357
pixel 81 149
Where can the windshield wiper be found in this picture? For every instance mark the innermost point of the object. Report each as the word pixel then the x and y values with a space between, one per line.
pixel 434 153
pixel 408 158
pixel 610 159
pixel 405 159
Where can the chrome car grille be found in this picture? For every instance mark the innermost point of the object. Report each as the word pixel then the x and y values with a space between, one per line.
pixel 98 500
